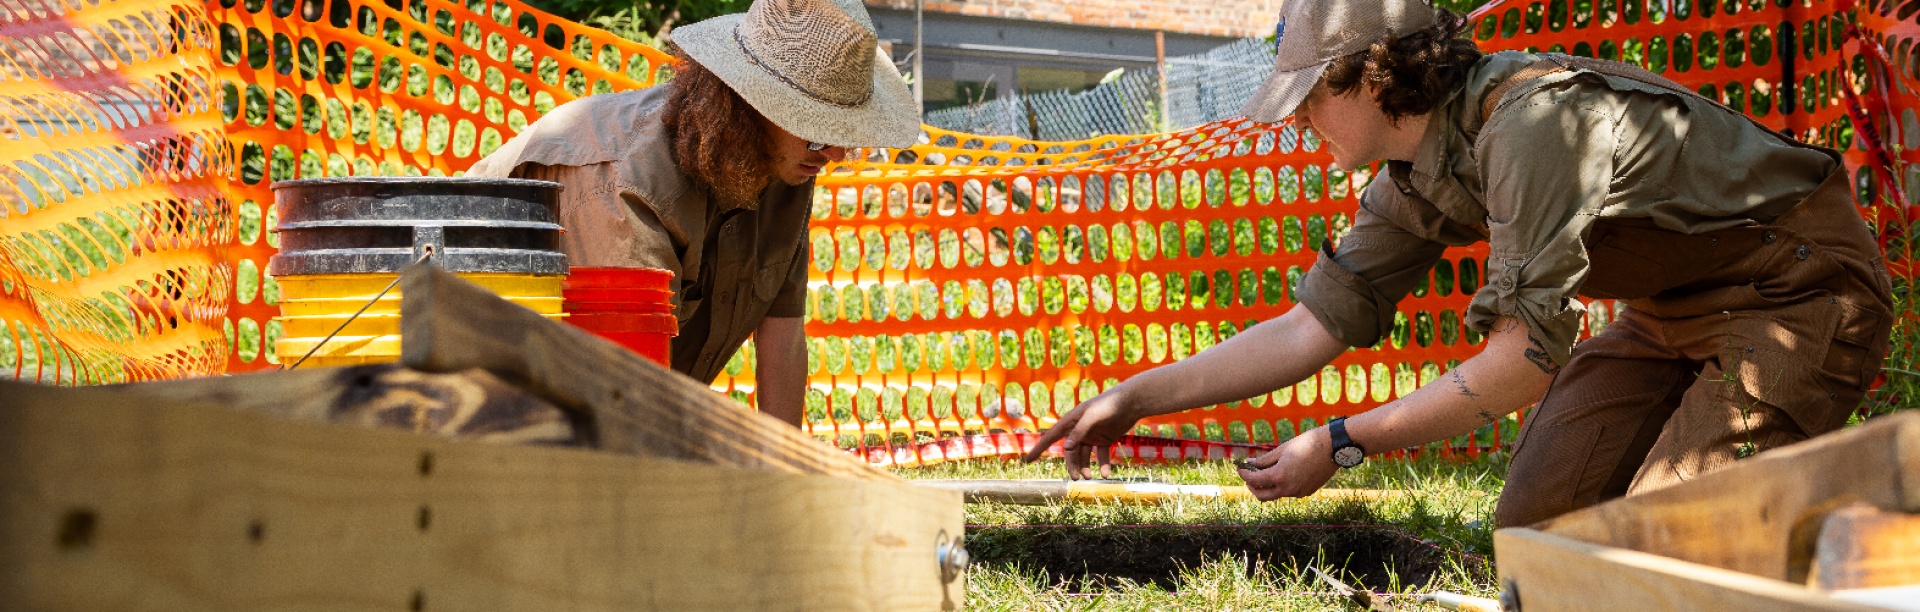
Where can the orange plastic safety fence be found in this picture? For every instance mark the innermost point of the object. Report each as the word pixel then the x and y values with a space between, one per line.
pixel 975 284
pixel 113 226
pixel 327 88
pixel 1886 35
pixel 969 284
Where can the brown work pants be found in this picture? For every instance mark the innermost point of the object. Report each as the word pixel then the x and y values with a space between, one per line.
pixel 1731 342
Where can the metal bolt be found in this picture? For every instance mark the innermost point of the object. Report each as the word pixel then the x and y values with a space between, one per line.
pixel 1510 596
pixel 953 558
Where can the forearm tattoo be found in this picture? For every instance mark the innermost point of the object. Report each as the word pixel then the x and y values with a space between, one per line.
pixel 1537 353
pixel 1460 383
pixel 1487 417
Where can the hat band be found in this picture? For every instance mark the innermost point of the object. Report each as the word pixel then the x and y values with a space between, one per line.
pixel 757 61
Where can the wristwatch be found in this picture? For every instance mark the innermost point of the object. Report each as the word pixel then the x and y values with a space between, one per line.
pixel 1346 453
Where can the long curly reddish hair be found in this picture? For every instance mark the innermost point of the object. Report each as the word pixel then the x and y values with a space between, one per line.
pixel 718 138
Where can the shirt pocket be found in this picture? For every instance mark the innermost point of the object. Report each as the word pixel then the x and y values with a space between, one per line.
pixel 770 278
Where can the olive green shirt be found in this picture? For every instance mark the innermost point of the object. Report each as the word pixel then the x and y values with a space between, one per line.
pixel 627 204
pixel 1557 155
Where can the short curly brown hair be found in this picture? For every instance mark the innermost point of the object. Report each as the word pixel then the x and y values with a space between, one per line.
pixel 1414 72
pixel 719 139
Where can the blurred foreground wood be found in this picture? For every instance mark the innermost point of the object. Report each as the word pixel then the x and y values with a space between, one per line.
pixel 226 494
pixel 1743 538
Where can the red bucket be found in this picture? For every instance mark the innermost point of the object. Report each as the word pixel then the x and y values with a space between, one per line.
pixel 632 307
pixel 644 344
pixel 627 322
pixel 572 306
pixel 622 295
pixel 619 278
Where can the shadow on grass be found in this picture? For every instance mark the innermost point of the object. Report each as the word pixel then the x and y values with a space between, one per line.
pixel 1098 557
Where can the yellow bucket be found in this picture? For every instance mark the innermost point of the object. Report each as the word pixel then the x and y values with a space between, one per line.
pixel 365 286
pixel 313 306
pixel 391 305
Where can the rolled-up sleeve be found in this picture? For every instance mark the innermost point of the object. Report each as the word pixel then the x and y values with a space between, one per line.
pixel 1352 288
pixel 1549 166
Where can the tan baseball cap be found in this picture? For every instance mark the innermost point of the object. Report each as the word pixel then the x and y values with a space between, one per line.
pixel 1312 33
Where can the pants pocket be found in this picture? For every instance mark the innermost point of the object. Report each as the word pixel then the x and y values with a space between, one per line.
pixel 1860 342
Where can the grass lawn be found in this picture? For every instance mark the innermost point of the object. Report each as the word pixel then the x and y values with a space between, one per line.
pixel 1221 555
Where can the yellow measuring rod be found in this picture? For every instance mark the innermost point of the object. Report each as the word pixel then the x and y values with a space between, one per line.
pixel 1040 492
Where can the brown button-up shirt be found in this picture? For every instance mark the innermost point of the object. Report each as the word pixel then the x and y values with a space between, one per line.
pixel 1557 156
pixel 627 204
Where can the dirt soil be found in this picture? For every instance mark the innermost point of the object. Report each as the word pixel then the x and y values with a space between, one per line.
pixel 1157 554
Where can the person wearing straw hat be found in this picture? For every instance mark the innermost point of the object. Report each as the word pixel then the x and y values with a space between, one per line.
pixel 711 175
pixel 1757 307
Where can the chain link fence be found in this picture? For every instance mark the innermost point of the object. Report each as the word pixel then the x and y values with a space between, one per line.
pixel 1201 88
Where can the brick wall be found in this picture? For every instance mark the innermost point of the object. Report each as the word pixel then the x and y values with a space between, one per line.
pixel 1236 18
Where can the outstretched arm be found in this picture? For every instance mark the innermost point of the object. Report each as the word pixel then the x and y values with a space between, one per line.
pixel 1509 374
pixel 780 350
pixel 1273 354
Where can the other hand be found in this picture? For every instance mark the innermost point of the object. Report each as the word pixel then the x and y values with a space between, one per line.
pixel 1297 468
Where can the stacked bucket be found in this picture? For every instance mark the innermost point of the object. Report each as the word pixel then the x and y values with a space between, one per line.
pixel 632 307
pixel 343 240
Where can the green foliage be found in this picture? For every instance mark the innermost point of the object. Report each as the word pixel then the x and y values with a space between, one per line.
pixel 1460 6
pixel 1901 389
pixel 645 22
pixel 632 23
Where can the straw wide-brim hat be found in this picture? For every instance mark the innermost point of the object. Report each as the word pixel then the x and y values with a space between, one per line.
pixel 813 67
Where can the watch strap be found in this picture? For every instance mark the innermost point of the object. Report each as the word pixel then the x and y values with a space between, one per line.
pixel 1337 431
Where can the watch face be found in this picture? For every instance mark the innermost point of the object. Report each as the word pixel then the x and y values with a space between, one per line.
pixel 1348 456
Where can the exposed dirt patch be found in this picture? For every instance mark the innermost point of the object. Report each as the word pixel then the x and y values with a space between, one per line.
pixel 1157 554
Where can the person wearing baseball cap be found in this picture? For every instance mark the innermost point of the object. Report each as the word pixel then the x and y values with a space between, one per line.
pixel 711 175
pixel 1755 306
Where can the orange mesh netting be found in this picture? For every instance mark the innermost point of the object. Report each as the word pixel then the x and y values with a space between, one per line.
pixel 976 284
pixel 1885 99
pixel 113 250
pixel 325 88
pixel 967 285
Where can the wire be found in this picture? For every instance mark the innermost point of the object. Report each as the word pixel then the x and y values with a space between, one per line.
pixel 356 314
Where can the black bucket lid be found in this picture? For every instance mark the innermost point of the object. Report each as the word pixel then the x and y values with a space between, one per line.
pixel 374 224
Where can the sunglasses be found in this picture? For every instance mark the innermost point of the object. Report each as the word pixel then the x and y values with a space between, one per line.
pixel 817 147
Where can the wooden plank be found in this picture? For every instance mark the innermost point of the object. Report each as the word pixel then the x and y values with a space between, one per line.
pixel 469 405
pixel 112 501
pixel 1762 515
pixel 630 404
pixel 1864 547
pixel 1555 573
pixel 1898 599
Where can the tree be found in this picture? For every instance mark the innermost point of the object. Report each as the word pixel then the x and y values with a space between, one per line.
pixel 644 21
